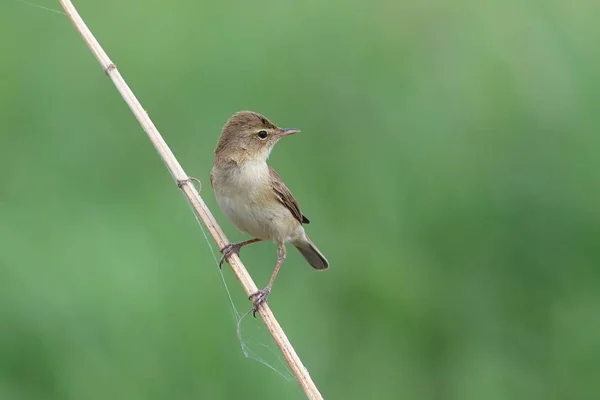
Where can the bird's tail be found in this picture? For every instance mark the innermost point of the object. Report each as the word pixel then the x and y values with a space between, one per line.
pixel 310 252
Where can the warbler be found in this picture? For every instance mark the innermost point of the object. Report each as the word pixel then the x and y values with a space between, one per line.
pixel 253 196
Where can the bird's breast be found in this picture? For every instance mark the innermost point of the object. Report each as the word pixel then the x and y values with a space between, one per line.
pixel 245 195
pixel 246 181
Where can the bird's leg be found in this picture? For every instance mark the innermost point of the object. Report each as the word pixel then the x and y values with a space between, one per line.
pixel 260 296
pixel 234 248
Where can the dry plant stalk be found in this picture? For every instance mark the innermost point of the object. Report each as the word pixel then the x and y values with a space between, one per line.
pixel 190 192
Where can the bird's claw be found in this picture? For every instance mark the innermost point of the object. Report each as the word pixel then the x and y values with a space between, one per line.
pixel 229 250
pixel 259 297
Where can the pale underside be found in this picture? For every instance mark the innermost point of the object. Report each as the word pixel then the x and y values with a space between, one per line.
pixel 258 203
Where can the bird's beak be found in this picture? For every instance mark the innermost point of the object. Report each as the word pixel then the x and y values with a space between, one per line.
pixel 287 131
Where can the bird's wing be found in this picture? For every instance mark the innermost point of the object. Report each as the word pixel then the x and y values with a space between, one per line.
pixel 285 197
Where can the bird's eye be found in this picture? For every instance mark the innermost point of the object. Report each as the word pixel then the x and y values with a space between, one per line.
pixel 262 134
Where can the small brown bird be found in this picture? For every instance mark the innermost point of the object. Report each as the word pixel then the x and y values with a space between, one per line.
pixel 253 195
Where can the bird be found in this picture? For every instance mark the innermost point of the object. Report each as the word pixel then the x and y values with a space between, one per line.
pixel 254 197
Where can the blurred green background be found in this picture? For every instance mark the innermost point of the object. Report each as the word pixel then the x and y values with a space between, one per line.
pixel 449 162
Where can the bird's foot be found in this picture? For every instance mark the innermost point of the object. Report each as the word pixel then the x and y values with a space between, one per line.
pixel 259 297
pixel 229 250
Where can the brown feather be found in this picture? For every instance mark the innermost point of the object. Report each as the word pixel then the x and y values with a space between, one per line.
pixel 285 197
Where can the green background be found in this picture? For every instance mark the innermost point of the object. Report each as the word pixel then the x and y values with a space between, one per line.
pixel 449 162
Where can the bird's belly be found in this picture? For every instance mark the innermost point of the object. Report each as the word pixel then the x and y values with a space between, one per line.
pixel 267 220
